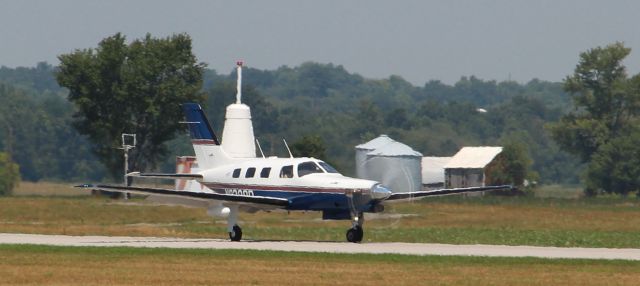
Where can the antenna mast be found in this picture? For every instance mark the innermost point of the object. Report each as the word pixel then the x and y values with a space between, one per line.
pixel 260 147
pixel 287 145
pixel 239 87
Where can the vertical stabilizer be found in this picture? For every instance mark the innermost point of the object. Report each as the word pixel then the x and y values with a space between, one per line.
pixel 205 143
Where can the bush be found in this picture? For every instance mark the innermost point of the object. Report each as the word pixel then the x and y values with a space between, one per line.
pixel 9 174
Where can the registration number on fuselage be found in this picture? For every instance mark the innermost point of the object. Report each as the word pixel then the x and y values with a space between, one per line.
pixel 239 192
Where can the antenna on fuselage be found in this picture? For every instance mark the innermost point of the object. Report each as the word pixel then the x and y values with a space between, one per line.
pixel 260 148
pixel 287 145
pixel 239 83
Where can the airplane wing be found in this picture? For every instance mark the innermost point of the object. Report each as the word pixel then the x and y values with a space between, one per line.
pixel 270 201
pixel 442 192
pixel 177 176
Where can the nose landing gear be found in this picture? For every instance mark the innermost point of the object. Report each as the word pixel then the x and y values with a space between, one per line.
pixel 356 233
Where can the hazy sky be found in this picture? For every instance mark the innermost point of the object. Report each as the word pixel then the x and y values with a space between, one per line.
pixel 418 40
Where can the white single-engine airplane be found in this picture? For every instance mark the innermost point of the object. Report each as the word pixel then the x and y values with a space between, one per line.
pixel 232 178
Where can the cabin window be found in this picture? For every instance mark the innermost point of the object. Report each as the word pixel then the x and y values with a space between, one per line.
pixel 307 168
pixel 236 173
pixel 250 172
pixel 265 172
pixel 286 172
pixel 328 167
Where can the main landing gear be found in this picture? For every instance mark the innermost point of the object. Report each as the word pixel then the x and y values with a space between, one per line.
pixel 355 233
pixel 235 232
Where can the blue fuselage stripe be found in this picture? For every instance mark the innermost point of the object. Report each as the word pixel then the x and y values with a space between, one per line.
pixel 316 201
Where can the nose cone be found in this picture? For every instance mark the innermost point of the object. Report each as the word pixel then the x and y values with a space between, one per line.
pixel 380 192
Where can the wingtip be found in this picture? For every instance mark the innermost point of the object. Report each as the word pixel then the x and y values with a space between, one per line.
pixel 84 186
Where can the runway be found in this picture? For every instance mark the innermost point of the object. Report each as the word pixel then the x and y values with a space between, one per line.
pixel 332 247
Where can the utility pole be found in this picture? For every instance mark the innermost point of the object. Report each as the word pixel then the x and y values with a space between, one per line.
pixel 128 143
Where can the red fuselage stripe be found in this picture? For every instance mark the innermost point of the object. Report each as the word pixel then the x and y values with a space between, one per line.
pixel 203 142
pixel 278 188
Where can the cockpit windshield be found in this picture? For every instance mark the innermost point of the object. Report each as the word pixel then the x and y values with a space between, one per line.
pixel 307 168
pixel 328 167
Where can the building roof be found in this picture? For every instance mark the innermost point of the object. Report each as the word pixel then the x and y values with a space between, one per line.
pixel 395 149
pixel 433 169
pixel 376 143
pixel 473 157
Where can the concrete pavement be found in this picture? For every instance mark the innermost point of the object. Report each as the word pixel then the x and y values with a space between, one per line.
pixel 333 247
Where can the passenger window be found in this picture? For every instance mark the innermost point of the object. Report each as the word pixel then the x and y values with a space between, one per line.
pixel 265 172
pixel 307 168
pixel 250 172
pixel 286 172
pixel 236 173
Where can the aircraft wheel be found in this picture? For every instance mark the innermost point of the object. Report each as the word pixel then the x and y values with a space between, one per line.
pixel 355 234
pixel 236 234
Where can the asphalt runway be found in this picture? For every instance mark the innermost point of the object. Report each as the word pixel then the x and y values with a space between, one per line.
pixel 333 247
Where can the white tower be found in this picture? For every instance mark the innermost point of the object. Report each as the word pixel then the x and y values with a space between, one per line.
pixel 237 136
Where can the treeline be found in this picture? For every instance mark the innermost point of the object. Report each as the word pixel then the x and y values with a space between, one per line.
pixel 343 109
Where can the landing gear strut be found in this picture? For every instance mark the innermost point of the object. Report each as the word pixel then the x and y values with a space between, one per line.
pixel 235 232
pixel 355 233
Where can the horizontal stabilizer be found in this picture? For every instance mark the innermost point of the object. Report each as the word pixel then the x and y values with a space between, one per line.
pixel 442 192
pixel 177 176
pixel 272 201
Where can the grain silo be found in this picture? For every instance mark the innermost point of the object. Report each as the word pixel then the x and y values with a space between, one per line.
pixel 396 166
pixel 363 149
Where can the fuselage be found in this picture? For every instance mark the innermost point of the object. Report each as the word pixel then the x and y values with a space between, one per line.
pixel 308 183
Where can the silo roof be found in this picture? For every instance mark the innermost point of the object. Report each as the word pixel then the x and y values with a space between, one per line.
pixel 473 157
pixel 395 149
pixel 376 143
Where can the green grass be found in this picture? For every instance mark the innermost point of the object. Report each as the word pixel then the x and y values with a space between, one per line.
pixel 37 265
pixel 610 221
pixel 559 191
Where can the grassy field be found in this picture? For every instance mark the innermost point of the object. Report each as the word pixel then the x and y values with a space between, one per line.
pixel 47 189
pixel 602 222
pixel 38 265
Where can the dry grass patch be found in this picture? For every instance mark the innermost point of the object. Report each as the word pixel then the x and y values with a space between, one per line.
pixel 37 265
pixel 47 189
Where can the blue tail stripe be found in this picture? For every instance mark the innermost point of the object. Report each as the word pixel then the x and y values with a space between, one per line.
pixel 199 127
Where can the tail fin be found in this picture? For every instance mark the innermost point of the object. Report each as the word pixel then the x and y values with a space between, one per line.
pixel 199 127
pixel 209 153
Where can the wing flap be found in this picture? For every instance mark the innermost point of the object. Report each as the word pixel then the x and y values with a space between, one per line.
pixel 271 201
pixel 443 192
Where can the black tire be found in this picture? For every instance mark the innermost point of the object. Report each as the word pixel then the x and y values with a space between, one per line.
pixel 236 234
pixel 355 234
pixel 360 233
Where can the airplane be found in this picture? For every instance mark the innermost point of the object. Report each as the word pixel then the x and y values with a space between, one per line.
pixel 231 178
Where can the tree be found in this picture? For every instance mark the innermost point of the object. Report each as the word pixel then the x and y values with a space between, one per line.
pixel 606 103
pixel 511 167
pixel 9 174
pixel 309 146
pixel 615 167
pixel 131 88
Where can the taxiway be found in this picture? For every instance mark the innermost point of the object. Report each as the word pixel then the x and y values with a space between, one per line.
pixel 332 247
